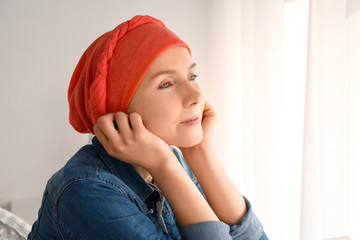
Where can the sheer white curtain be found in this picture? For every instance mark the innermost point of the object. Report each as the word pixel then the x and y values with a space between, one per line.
pixel 284 78
pixel 353 119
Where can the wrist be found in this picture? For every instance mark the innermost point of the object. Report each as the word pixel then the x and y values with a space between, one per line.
pixel 199 149
pixel 163 162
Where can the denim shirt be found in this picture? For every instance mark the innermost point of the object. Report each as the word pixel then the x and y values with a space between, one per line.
pixel 95 196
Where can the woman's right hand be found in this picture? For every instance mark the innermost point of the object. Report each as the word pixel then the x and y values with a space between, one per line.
pixel 134 144
pixel 131 142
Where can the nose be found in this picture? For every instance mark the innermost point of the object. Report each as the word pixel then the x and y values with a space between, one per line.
pixel 192 94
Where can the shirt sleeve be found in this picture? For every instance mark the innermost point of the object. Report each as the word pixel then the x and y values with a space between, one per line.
pixel 212 230
pixel 249 226
pixel 93 209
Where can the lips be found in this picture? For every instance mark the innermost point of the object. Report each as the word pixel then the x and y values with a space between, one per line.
pixel 192 121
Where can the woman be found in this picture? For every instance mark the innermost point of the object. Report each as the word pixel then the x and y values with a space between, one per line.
pixel 135 89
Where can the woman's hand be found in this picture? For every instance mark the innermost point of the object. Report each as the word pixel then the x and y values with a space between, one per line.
pixel 221 193
pixel 131 142
pixel 208 123
pixel 134 144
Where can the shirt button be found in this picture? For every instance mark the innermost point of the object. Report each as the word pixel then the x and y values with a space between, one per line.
pixel 163 211
pixel 151 211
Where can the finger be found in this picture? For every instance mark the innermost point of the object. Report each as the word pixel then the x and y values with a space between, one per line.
pixel 106 124
pixel 136 122
pixel 208 110
pixel 207 106
pixel 100 135
pixel 107 143
pixel 123 123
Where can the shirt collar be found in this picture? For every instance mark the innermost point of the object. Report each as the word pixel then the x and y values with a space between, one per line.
pixel 124 171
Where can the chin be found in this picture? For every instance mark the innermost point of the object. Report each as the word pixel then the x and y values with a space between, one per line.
pixel 189 141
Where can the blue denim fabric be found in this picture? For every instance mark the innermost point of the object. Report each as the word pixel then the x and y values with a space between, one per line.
pixel 95 196
pixel 263 237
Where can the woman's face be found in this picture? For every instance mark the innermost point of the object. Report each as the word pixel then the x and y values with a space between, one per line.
pixel 170 100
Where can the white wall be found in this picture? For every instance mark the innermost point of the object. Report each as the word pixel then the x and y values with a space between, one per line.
pixel 41 42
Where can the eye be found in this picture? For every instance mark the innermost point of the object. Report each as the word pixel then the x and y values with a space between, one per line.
pixel 193 77
pixel 165 85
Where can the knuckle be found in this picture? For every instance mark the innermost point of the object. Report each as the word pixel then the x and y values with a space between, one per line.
pixel 119 114
pixel 129 142
pixel 102 119
pixel 134 115
pixel 139 136
pixel 117 148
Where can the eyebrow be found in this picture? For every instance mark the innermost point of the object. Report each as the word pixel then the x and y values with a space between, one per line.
pixel 170 71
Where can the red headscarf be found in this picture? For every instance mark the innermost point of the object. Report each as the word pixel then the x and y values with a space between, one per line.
pixel 111 69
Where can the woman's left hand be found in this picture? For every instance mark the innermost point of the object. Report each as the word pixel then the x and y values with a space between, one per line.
pixel 208 123
pixel 221 193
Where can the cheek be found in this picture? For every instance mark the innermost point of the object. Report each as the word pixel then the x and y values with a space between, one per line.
pixel 158 116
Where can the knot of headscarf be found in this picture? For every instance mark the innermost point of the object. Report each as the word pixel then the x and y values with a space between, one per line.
pixel 111 69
